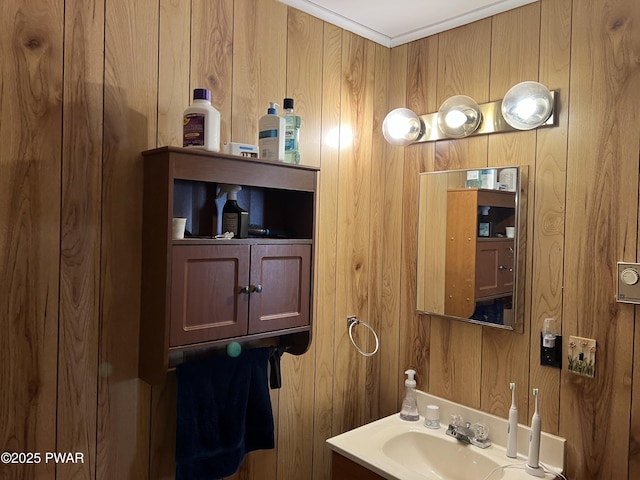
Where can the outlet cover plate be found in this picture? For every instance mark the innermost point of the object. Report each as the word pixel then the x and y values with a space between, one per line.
pixel 582 356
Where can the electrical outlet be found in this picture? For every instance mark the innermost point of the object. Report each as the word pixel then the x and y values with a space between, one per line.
pixel 551 356
pixel 582 356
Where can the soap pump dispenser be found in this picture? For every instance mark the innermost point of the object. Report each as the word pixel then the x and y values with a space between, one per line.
pixel 409 410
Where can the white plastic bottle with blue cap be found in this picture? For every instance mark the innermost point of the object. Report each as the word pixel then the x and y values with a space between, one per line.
pixel 271 134
pixel 409 410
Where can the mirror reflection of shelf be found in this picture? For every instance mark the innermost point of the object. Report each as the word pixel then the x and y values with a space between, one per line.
pixel 463 274
pixel 476 269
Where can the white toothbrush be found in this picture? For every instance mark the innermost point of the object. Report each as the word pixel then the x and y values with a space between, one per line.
pixel 533 466
pixel 512 425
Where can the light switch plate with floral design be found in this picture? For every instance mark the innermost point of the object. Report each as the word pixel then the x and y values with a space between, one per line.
pixel 582 356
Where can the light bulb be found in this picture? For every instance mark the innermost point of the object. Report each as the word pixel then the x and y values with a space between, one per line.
pixel 401 127
pixel 455 119
pixel 459 116
pixel 527 105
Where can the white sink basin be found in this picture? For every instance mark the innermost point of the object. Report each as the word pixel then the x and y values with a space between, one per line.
pixel 436 456
pixel 400 450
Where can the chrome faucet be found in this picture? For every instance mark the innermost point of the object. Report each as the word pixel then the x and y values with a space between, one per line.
pixel 476 434
pixel 461 432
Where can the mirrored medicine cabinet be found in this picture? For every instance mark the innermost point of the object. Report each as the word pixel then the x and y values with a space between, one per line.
pixel 471 245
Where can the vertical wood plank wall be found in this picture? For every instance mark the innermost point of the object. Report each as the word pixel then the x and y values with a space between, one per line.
pixel 86 85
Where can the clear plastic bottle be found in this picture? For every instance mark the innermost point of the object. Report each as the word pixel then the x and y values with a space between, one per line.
pixel 409 410
pixel 293 123
pixel 201 123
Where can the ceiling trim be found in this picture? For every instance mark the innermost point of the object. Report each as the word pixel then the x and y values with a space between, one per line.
pixel 458 21
pixel 315 10
pixel 339 21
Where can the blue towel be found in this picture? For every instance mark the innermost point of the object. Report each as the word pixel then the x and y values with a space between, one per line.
pixel 224 412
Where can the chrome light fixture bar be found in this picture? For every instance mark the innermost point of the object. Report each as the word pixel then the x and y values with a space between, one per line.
pixel 526 106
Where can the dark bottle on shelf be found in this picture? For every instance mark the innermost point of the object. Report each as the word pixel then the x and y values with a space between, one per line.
pixel 234 218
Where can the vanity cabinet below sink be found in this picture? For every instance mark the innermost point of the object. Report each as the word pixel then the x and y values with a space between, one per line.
pixel 344 469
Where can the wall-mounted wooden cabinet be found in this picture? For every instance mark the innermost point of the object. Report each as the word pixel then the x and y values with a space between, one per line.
pixel 478 268
pixel 200 292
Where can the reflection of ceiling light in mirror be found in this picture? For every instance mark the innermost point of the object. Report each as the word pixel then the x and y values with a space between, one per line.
pixel 401 127
pixel 527 105
pixel 339 137
pixel 459 116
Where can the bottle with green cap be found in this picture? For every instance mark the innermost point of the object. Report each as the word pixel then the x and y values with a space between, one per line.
pixel 292 126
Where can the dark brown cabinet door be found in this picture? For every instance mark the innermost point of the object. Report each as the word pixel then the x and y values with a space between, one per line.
pixel 209 293
pixel 280 287
pixel 229 291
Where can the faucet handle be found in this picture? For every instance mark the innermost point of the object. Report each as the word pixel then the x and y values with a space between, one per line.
pixel 480 435
pixel 457 420
pixel 480 431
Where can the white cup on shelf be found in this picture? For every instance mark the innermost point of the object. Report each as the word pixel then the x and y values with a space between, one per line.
pixel 177 227
pixel 511 232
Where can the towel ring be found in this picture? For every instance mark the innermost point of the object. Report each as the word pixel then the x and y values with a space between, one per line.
pixel 352 322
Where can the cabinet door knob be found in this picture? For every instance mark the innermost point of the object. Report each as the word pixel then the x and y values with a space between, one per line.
pixel 256 288
pixel 246 289
pixel 502 267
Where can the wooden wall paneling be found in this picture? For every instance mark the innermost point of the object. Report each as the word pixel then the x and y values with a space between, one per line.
pixel 162 445
pixel 421 94
pixel 304 80
pixel 514 50
pixel 464 62
pixel 245 92
pixel 31 62
pixel 514 58
pixel 353 273
pixel 391 255
pixel 80 236
pixel 130 126
pixel 548 182
pixel 174 87
pixel 377 227
pixel 464 58
pixel 324 324
pixel 174 95
pixel 212 30
pixel 304 85
pixel 601 227
pixel 259 64
pixel 455 361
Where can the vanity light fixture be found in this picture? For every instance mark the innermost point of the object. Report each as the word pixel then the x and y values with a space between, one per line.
pixel 526 106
